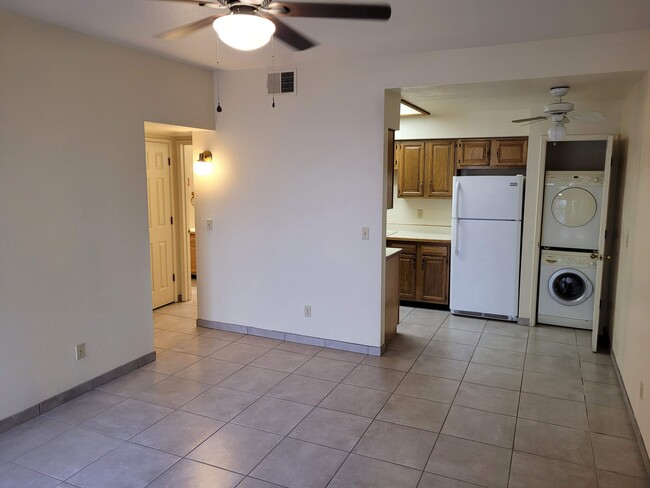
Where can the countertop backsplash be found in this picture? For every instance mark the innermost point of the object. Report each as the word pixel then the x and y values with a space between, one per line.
pixel 434 211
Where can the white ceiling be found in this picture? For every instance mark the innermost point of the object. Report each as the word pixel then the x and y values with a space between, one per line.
pixel 520 94
pixel 415 26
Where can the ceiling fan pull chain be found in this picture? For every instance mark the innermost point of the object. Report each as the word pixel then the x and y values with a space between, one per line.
pixel 273 70
pixel 219 109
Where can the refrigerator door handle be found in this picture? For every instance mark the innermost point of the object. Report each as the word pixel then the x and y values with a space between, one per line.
pixel 456 198
pixel 455 238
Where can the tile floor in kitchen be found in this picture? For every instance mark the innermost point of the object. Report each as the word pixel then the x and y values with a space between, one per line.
pixel 454 403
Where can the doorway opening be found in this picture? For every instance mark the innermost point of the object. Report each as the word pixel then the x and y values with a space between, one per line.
pixel 170 200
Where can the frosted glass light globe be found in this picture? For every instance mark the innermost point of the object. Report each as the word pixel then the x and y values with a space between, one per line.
pixel 245 32
pixel 557 131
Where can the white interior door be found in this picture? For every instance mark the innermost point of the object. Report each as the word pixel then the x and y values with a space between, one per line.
pixel 160 223
pixel 602 265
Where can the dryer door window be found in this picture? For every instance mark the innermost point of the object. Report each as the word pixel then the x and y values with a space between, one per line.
pixel 574 207
pixel 569 287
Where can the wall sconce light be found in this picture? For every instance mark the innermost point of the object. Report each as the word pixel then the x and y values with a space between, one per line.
pixel 203 166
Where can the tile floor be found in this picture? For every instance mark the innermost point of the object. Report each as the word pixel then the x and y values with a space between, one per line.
pixel 454 403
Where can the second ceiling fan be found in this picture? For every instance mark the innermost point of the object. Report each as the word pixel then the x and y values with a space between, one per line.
pixel 560 113
pixel 249 24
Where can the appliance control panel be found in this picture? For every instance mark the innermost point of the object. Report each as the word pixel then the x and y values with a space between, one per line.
pixel 567 261
pixel 577 178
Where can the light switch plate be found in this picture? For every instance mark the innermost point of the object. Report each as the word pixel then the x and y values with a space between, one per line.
pixel 210 224
pixel 365 233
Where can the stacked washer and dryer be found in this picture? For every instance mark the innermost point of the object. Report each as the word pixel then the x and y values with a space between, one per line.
pixel 570 233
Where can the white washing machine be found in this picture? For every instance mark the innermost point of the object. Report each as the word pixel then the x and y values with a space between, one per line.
pixel 566 289
pixel 572 209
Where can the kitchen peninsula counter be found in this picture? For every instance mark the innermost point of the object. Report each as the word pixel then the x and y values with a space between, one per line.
pixel 423 264
pixel 442 235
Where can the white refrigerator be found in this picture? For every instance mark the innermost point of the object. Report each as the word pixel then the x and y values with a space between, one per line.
pixel 486 246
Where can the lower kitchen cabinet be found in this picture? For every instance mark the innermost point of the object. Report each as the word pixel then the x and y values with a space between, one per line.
pixel 193 253
pixel 407 271
pixel 434 277
pixel 423 271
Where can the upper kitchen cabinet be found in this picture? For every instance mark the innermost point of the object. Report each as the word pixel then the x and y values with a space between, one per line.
pixel 507 152
pixel 474 152
pixel 411 169
pixel 439 168
pixel 425 168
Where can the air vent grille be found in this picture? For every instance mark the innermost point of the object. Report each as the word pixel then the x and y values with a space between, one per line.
pixel 281 83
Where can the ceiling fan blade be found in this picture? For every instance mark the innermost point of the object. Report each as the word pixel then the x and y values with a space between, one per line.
pixel 530 119
pixel 362 11
pixel 289 35
pixel 200 3
pixel 587 116
pixel 187 29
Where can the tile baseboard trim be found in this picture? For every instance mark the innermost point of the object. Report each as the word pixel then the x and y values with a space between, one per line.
pixel 630 412
pixel 288 337
pixel 74 392
pixel 522 321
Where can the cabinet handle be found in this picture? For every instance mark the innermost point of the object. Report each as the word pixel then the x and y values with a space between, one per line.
pixel 430 188
pixel 421 186
pixel 497 154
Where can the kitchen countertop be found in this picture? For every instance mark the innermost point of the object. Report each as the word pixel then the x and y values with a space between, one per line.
pixel 411 235
pixel 392 250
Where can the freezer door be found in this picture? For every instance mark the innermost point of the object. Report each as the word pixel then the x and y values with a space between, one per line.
pixel 485 267
pixel 488 197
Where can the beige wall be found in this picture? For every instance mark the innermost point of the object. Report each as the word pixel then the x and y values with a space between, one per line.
pixel 296 183
pixel 631 307
pixel 74 256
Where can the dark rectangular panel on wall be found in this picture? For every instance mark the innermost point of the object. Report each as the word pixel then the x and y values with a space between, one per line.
pixel 576 155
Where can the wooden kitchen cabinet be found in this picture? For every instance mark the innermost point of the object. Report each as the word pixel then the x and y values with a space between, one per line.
pixel 439 168
pixel 407 274
pixel 474 152
pixel 425 168
pixel 424 271
pixel 411 169
pixel 509 152
pixel 434 276
pixel 193 253
pixel 501 152
pixel 397 154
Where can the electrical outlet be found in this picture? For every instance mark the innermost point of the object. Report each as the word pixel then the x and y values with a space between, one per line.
pixel 365 233
pixel 210 224
pixel 308 311
pixel 641 387
pixel 420 213
pixel 80 351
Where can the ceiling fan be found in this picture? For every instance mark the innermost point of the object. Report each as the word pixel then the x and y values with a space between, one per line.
pixel 249 24
pixel 560 113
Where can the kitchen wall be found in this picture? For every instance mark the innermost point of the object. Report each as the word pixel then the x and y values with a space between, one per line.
pixel 631 308
pixel 74 230
pixel 476 123
pixel 297 183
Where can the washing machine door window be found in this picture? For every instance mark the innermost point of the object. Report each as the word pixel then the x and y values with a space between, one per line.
pixel 574 207
pixel 569 287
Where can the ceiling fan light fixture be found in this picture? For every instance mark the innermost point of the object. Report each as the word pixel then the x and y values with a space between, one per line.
pixel 557 132
pixel 244 31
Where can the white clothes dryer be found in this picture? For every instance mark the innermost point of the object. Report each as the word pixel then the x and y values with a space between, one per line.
pixel 572 209
pixel 566 289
